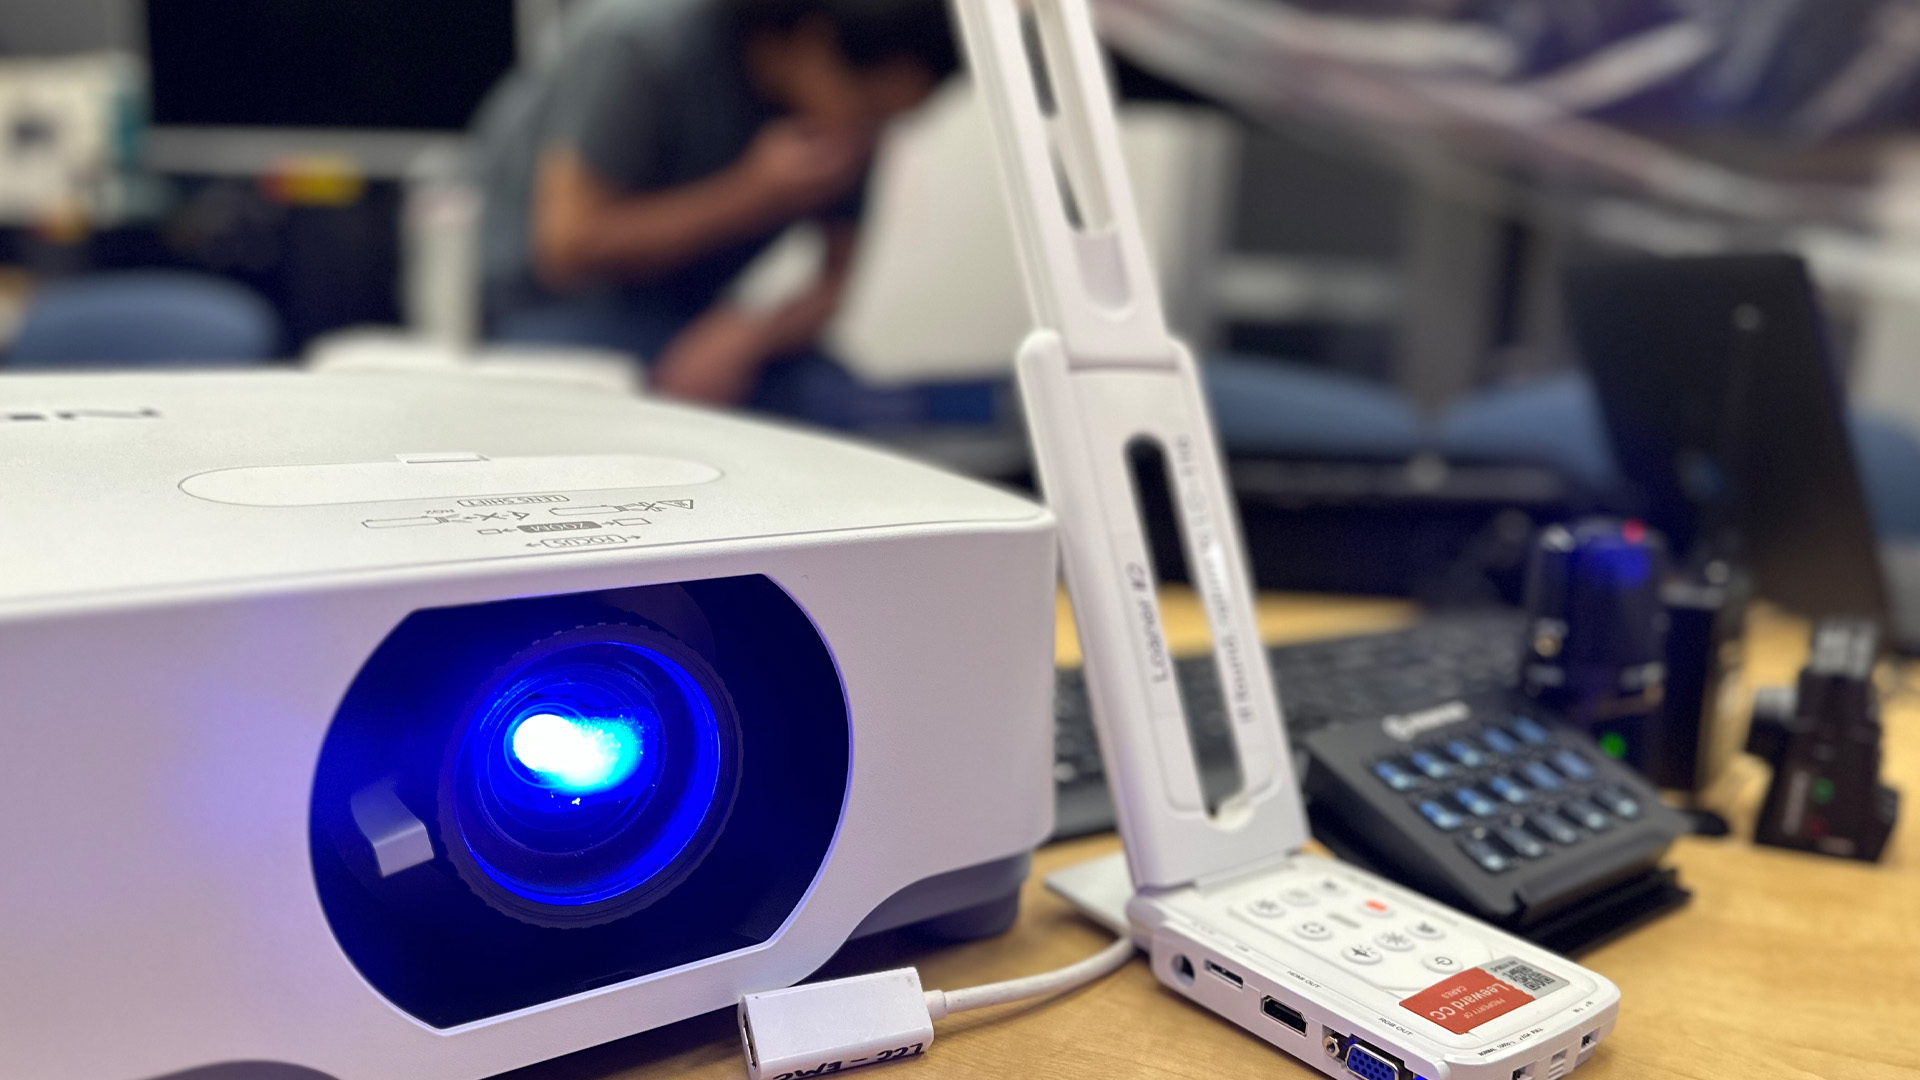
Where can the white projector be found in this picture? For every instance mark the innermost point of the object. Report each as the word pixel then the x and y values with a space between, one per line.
pixel 371 726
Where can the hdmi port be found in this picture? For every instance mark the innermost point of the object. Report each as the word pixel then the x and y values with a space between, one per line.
pixel 1288 1016
pixel 1230 976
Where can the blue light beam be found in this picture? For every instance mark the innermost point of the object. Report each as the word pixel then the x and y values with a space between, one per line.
pixel 577 756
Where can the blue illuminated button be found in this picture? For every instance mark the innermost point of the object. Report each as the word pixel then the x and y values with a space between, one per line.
pixel 1394 776
pixel 1476 804
pixel 1521 842
pixel 1466 754
pixel 1587 814
pixel 1489 858
pixel 1499 741
pixel 1619 802
pixel 1541 777
pixel 1554 828
pixel 1511 790
pixel 1530 732
pixel 1440 817
pixel 1432 765
pixel 1573 765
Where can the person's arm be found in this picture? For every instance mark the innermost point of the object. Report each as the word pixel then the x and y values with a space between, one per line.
pixel 800 321
pixel 585 228
pixel 718 358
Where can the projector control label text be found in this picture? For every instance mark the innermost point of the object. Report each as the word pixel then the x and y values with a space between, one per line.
pixel 513 500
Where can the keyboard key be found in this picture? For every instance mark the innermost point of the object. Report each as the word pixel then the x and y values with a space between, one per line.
pixel 1488 857
pixel 1530 732
pixel 1541 777
pixel 1588 815
pixel 1431 764
pixel 1554 828
pixel 1442 963
pixel 1511 790
pixel 1573 765
pixel 1395 777
pixel 1465 753
pixel 1427 929
pixel 1521 842
pixel 1621 804
pixel 1499 742
pixel 1475 803
pixel 1439 816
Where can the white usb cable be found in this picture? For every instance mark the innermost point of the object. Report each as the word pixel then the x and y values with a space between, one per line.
pixel 833 1026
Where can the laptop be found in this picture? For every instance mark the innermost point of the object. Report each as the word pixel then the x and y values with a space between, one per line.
pixel 1727 414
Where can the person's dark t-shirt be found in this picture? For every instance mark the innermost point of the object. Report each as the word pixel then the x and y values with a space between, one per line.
pixel 652 94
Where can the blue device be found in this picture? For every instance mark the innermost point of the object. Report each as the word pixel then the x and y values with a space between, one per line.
pixel 1595 649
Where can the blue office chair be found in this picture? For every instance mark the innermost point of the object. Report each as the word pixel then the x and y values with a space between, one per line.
pixel 151 319
pixel 1272 408
pixel 1552 421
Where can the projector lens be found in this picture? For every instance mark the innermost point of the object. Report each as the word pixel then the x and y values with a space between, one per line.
pixel 576 755
pixel 591 775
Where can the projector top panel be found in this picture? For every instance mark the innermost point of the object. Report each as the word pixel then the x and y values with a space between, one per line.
pixel 116 485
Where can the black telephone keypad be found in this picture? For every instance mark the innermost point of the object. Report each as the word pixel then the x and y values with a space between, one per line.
pixel 1510 791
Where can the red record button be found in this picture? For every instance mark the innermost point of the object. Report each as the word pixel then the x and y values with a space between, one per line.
pixel 1466 1000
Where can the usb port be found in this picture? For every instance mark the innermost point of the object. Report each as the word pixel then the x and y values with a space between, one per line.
pixel 1288 1016
pixel 1230 976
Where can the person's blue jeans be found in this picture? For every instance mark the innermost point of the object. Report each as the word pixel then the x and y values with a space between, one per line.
pixel 807 384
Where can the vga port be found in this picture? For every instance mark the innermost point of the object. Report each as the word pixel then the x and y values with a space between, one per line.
pixel 1370 1064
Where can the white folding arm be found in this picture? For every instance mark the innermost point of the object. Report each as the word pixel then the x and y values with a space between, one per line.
pixel 1099 374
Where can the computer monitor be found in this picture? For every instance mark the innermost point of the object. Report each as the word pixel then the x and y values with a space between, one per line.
pixel 1723 405
pixel 238 85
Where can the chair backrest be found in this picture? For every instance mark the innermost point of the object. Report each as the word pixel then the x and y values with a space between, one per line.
pixel 145 319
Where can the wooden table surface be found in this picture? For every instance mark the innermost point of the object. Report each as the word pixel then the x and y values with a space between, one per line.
pixel 1784 965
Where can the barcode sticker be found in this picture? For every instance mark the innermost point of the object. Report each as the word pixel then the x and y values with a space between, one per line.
pixel 1518 972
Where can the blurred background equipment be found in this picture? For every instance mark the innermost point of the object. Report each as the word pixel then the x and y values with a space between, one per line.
pixel 1725 413
pixel 1596 637
pixel 67 131
pixel 237 87
pixel 1822 738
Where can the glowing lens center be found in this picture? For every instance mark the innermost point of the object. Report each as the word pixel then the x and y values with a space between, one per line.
pixel 577 755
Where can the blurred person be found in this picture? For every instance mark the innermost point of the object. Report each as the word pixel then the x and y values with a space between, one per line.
pixel 662 145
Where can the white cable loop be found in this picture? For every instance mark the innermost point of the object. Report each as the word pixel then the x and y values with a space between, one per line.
pixel 942 1002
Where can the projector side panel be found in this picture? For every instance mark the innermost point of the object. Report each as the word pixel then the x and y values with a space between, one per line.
pixel 160 912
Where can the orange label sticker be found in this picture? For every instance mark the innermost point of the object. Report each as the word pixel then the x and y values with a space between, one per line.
pixel 1463 1002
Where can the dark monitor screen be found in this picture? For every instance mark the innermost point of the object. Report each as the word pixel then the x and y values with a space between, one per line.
pixel 1721 400
pixel 372 64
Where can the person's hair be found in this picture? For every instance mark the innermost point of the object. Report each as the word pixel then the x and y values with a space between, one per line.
pixel 870 32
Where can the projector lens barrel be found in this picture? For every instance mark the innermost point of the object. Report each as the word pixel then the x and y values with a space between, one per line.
pixel 590 775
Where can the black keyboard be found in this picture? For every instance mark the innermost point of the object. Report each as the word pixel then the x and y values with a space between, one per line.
pixel 1321 683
